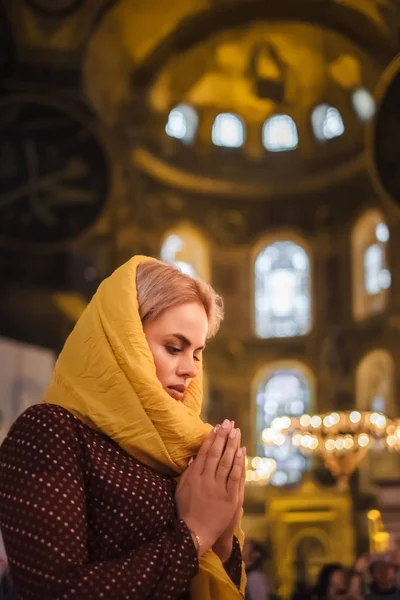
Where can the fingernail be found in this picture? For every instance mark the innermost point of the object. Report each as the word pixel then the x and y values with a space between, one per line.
pixel 233 433
pixel 226 424
pixel 191 459
pixel 233 423
pixel 216 428
pixel 239 452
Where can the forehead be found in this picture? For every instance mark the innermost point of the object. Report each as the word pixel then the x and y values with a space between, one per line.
pixel 189 320
pixel 338 574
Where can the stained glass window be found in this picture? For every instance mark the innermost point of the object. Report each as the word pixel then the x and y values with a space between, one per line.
pixel 188 249
pixel 182 123
pixel 286 391
pixel 327 122
pixel 375 382
pixel 170 250
pixel 363 104
pixel 228 130
pixel 282 291
pixel 371 274
pixel 280 133
pixel 376 276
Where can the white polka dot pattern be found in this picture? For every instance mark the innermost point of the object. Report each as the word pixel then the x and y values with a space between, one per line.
pixel 82 519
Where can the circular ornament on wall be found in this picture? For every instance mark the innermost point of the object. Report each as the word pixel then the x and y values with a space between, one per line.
pixel 54 172
pixel 56 7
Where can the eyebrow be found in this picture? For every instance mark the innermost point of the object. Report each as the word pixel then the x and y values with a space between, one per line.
pixel 185 341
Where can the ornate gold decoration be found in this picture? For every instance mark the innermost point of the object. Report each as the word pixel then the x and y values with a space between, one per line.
pixel 259 470
pixel 342 439
pixel 378 537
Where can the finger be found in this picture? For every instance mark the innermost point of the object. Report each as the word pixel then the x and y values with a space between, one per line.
pixel 185 473
pixel 197 466
pixel 217 449
pixel 238 439
pixel 235 474
pixel 243 477
pixel 228 456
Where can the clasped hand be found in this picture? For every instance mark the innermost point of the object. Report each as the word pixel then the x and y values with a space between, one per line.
pixel 210 493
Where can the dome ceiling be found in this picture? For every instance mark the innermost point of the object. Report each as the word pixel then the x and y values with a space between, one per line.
pixel 139 41
pixel 231 72
pixel 242 58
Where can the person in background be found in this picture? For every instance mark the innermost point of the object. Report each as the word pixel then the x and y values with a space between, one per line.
pixel 89 503
pixel 358 577
pixel 383 584
pixel 331 583
pixel 254 556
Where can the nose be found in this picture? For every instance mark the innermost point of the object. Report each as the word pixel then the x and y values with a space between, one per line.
pixel 187 367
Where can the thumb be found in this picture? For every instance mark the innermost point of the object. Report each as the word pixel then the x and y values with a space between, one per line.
pixel 184 476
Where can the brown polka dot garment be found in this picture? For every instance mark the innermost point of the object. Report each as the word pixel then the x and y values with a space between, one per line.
pixel 82 519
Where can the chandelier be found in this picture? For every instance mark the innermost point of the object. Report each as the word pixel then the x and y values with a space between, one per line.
pixel 342 439
pixel 259 470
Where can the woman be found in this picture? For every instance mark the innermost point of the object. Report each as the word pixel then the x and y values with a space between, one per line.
pixel 331 583
pixel 254 556
pixel 89 506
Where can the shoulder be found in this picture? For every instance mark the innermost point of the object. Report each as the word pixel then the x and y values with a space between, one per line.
pixel 44 421
pixel 46 415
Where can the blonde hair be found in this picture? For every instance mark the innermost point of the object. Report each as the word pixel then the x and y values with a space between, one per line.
pixel 161 286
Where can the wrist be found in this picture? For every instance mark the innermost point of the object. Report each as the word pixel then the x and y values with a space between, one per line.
pixel 223 548
pixel 200 538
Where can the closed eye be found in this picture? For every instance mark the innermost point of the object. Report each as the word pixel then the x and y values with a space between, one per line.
pixel 172 350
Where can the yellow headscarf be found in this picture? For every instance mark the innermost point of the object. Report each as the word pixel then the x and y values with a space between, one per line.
pixel 105 375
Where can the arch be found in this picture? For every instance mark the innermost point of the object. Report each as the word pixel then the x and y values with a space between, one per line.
pixel 371 274
pixel 182 123
pixel 375 382
pixel 279 134
pixel 308 571
pixel 344 19
pixel 282 287
pixel 228 131
pixel 327 122
pixel 187 248
pixel 282 388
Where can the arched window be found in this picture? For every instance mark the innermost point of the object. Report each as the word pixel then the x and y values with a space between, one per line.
pixel 188 250
pixel 371 275
pixel 182 123
pixel 327 122
pixel 363 103
pixel 279 133
pixel 375 381
pixel 285 389
pixel 375 392
pixel 228 130
pixel 282 290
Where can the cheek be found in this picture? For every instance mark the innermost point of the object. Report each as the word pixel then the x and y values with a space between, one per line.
pixel 164 364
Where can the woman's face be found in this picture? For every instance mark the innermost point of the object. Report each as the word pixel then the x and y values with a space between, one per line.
pixel 337 583
pixel 176 340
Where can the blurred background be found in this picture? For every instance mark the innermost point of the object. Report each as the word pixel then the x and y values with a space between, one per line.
pixel 256 144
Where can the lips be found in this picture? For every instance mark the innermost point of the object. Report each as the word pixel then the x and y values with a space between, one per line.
pixel 176 391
